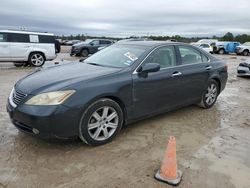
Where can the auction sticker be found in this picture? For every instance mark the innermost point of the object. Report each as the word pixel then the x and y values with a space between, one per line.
pixel 131 56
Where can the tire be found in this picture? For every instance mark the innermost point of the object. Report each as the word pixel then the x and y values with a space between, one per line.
pixel 36 59
pixel 101 122
pixel 84 53
pixel 245 53
pixel 19 64
pixel 210 95
pixel 221 51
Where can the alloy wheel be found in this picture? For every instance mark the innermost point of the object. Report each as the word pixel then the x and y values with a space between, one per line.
pixel 103 123
pixel 37 60
pixel 211 94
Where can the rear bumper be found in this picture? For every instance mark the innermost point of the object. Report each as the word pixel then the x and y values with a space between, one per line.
pixel 45 122
pixel 51 57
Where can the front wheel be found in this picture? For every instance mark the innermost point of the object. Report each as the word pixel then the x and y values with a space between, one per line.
pixel 210 95
pixel 36 59
pixel 101 122
pixel 245 53
pixel 221 51
pixel 84 53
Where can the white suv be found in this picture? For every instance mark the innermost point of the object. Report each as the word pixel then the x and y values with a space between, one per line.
pixel 22 46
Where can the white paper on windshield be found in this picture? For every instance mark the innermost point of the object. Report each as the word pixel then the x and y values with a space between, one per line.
pixel 131 56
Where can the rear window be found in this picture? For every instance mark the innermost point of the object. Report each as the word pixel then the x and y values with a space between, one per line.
pixel 17 37
pixel 46 39
pixel 189 55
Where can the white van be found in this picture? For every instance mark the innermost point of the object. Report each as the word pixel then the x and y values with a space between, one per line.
pixel 22 46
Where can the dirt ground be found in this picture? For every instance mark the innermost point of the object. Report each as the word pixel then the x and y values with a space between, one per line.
pixel 213 146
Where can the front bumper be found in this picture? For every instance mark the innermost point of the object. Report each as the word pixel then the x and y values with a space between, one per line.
pixel 45 121
pixel 239 51
pixel 74 51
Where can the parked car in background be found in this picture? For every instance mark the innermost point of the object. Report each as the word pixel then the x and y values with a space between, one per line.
pixel 244 69
pixel 23 46
pixel 89 46
pixel 243 49
pixel 121 84
pixel 205 46
pixel 225 47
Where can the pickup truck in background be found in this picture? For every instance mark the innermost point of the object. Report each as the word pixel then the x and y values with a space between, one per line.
pixel 225 47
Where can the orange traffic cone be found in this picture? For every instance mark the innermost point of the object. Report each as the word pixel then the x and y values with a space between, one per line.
pixel 168 172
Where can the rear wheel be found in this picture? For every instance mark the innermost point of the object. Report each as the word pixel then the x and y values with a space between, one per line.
pixel 210 95
pixel 221 51
pixel 36 59
pixel 101 122
pixel 245 53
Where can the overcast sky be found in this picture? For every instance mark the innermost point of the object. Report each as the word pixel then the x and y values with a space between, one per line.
pixel 128 17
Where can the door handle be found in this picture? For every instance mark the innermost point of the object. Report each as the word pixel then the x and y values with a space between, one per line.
pixel 209 67
pixel 175 74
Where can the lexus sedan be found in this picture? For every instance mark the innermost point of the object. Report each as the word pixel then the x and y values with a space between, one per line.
pixel 118 85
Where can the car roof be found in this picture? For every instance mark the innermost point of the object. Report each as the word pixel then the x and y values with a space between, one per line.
pixel 26 32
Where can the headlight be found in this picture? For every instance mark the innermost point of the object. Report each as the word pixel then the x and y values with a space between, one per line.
pixel 50 98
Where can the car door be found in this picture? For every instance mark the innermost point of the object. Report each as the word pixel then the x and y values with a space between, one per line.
pixel 20 46
pixel 4 48
pixel 94 45
pixel 160 90
pixel 195 69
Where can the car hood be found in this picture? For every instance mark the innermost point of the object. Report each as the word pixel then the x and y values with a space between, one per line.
pixel 80 44
pixel 243 46
pixel 59 77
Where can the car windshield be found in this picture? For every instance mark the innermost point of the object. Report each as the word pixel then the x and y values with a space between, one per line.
pixel 118 56
pixel 247 44
pixel 88 40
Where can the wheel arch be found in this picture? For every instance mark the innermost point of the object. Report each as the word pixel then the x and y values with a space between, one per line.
pixel 217 80
pixel 40 52
pixel 115 98
pixel 84 48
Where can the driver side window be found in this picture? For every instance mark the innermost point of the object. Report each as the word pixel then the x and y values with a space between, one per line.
pixel 164 56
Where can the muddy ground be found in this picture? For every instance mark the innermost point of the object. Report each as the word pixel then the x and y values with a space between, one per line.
pixel 213 146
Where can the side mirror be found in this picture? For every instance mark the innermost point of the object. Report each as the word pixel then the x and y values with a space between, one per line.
pixel 149 67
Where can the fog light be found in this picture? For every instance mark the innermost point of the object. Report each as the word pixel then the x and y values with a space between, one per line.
pixel 35 131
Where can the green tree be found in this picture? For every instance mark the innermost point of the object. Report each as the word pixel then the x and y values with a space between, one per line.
pixel 228 37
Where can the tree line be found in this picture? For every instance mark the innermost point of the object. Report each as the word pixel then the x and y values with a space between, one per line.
pixel 227 37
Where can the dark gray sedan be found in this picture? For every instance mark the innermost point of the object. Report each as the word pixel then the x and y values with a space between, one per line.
pixel 120 84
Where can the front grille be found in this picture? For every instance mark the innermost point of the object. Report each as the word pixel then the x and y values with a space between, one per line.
pixel 18 96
